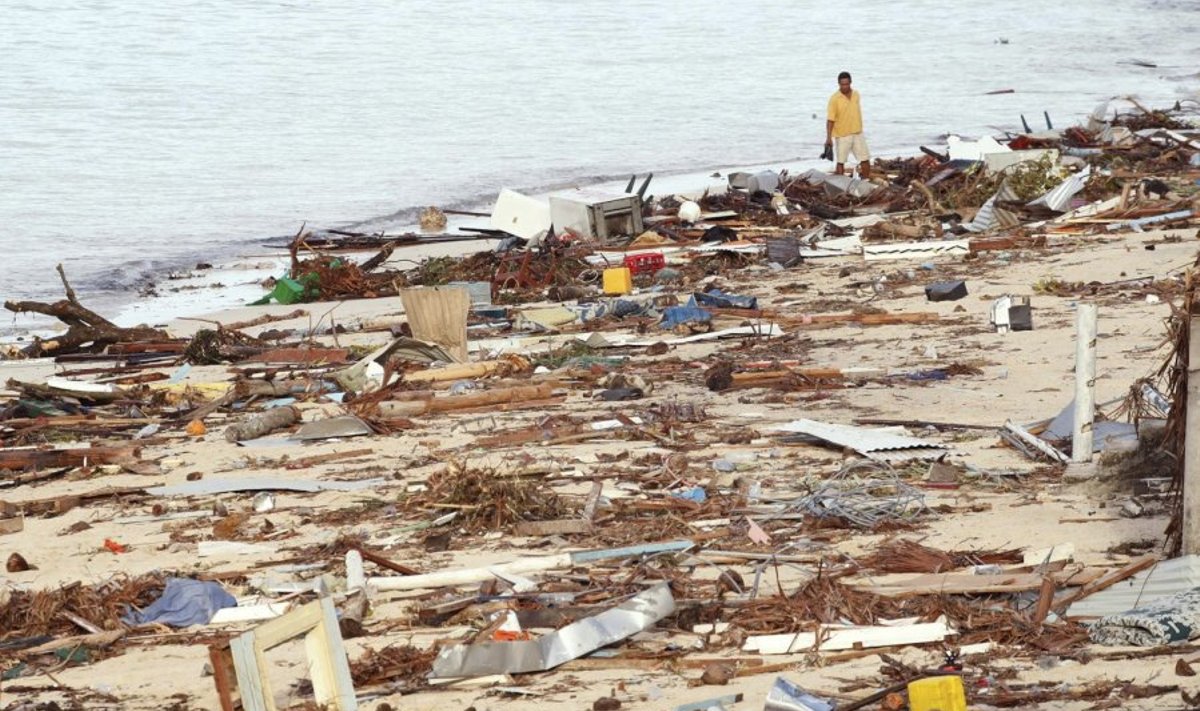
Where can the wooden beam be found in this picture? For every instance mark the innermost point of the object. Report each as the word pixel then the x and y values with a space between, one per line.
pixel 965 583
pixel 488 398
pixel 74 457
pixel 1190 530
pixel 1045 600
pixel 560 527
pixel 385 563
pixel 1108 580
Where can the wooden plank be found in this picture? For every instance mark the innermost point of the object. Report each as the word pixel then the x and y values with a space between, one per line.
pixel 73 457
pixel 1045 600
pixel 385 563
pixel 245 667
pixel 223 675
pixel 81 622
pixel 458 371
pixel 434 615
pixel 302 356
pixel 332 656
pixel 279 630
pixel 320 666
pixel 262 674
pixel 519 394
pixel 329 668
pixel 305 462
pixel 840 638
pixel 1190 530
pixel 966 583
pixel 560 527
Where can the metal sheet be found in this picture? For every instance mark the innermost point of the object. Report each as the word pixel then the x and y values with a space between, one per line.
pixel 1059 199
pixel 571 642
pixel 1166 578
pixel 341 426
pixel 915 250
pixel 862 440
pixel 786 696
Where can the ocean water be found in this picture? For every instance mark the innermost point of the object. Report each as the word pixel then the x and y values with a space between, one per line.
pixel 143 136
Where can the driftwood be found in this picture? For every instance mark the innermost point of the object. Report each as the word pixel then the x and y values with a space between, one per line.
pixel 379 259
pixel 18 459
pixel 258 321
pixel 422 402
pixel 86 329
pixel 262 423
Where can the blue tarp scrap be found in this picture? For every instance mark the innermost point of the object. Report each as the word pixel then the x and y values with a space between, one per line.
pixel 934 374
pixel 678 315
pixel 720 300
pixel 695 493
pixel 183 602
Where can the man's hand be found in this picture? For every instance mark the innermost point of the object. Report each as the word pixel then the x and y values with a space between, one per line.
pixel 827 154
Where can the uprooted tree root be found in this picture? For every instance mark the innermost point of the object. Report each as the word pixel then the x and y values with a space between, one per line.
pixel 86 329
pixel 488 499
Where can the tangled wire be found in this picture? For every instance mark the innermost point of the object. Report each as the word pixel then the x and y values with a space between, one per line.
pixel 865 494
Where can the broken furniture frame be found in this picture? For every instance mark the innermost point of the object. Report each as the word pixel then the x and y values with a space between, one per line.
pixel 245 657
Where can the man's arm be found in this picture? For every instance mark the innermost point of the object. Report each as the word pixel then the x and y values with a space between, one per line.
pixel 831 112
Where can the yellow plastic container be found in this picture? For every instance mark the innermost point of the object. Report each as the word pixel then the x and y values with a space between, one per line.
pixel 618 280
pixel 937 693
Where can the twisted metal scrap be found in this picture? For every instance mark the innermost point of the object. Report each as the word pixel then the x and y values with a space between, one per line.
pixel 864 493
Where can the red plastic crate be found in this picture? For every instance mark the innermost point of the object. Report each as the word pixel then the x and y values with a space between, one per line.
pixel 645 263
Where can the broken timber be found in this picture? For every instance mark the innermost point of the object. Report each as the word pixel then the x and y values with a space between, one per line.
pixel 327 663
pixel 16 459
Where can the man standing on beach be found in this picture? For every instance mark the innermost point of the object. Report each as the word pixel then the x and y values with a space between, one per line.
pixel 844 125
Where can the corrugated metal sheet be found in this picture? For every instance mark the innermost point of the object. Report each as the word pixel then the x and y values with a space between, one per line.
pixel 1059 199
pixel 1168 577
pixel 915 250
pixel 880 445
pixel 990 217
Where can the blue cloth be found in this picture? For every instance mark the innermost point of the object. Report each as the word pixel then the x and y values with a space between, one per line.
pixel 676 315
pixel 720 300
pixel 696 493
pixel 183 602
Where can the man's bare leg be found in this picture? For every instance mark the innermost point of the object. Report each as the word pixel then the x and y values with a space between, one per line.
pixel 864 170
pixel 840 169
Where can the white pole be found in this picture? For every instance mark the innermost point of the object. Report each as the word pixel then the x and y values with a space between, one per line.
pixel 1085 382
pixel 469 576
pixel 1190 533
pixel 356 578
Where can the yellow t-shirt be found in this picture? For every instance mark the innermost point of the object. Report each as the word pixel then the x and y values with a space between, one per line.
pixel 846 114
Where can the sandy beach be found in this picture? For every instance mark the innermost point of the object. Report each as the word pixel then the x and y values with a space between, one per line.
pixel 946 367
